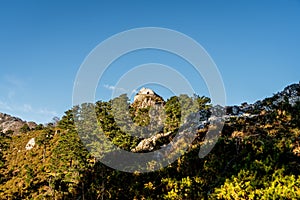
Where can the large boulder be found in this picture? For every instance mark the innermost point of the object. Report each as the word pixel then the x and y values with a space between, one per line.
pixel 30 144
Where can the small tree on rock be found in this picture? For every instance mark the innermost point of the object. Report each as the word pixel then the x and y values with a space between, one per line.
pixel 25 128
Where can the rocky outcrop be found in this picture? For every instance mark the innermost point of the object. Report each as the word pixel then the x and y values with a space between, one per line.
pixel 30 144
pixel 147 98
pixel 290 95
pixel 8 122
pixel 148 144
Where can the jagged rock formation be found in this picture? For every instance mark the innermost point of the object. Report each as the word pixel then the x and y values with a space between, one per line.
pixel 8 122
pixel 148 107
pixel 290 95
pixel 147 110
pixel 147 97
pixel 148 144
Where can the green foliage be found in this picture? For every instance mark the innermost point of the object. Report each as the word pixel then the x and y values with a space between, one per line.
pixel 39 127
pixel 274 186
pixel 9 132
pixel 25 128
pixel 67 121
pixel 68 163
pixel 179 189
pixel 255 158
pixel 173 114
pixel 113 131
pixel 4 145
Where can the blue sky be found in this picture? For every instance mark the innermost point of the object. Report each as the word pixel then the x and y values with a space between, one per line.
pixel 255 44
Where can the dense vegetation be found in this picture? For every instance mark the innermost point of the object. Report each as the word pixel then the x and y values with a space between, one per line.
pixel 255 158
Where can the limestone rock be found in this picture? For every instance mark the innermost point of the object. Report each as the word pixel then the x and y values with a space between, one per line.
pixel 148 144
pixel 30 144
pixel 146 98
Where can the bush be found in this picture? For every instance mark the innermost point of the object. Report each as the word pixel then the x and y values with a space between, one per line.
pixel 25 128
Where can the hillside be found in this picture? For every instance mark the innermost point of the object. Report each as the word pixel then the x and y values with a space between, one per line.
pixel 257 155
pixel 13 124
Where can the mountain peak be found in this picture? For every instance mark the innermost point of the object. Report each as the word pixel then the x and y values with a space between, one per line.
pixel 147 97
pixel 144 92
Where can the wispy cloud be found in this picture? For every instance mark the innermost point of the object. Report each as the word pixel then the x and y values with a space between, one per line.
pixel 4 106
pixel 14 81
pixel 113 88
pixel 26 110
pixel 118 89
pixel 45 111
pixel 10 86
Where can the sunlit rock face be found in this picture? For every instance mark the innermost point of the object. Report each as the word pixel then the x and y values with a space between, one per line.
pixel 14 124
pixel 147 98
pixel 30 144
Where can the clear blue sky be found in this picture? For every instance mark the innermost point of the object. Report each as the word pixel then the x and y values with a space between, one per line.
pixel 255 44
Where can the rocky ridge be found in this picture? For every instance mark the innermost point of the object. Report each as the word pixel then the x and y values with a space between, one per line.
pixel 8 122
pixel 290 95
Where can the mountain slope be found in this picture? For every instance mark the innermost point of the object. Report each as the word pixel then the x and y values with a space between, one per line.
pixel 256 157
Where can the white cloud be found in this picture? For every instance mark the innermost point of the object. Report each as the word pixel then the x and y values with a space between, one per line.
pixel 110 87
pixel 118 89
pixel 45 111
pixel 113 88
pixel 27 108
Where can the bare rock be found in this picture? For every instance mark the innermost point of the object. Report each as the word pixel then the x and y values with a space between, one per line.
pixel 30 144
pixel 8 122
